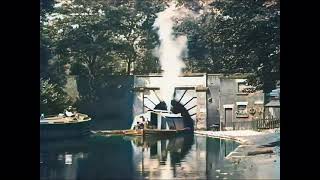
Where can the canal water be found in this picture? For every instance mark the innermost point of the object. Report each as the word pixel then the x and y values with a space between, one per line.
pixel 117 157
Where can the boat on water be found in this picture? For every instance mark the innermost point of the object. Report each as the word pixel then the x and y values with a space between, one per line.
pixel 155 123
pixel 62 126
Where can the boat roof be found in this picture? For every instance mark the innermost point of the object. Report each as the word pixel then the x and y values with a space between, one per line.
pixel 166 113
pixel 161 111
pixel 171 115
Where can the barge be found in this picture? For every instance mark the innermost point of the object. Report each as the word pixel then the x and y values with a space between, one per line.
pixel 155 123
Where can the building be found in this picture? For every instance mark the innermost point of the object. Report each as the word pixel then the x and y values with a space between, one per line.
pixel 272 108
pixel 213 101
pixel 236 103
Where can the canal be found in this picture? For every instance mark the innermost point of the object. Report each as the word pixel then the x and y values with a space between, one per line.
pixel 117 157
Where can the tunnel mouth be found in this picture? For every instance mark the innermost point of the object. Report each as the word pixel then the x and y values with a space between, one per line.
pixel 176 108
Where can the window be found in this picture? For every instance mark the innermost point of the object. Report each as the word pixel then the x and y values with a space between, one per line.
pixel 242 109
pixel 241 86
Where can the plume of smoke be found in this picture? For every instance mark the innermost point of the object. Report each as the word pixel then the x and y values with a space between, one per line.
pixel 170 51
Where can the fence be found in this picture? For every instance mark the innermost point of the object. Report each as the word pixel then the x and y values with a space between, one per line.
pixel 254 124
pixel 268 123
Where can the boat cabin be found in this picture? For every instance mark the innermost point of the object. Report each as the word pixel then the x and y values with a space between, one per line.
pixel 161 120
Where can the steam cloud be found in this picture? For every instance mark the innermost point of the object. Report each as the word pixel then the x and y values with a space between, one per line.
pixel 171 50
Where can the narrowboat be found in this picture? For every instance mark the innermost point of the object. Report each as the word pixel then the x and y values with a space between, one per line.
pixel 158 123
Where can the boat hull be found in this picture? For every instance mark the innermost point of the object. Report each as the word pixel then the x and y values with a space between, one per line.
pixel 165 133
pixel 65 130
pixel 146 132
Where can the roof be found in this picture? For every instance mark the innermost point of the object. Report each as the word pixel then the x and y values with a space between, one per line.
pixel 273 103
pixel 170 115
pixel 165 113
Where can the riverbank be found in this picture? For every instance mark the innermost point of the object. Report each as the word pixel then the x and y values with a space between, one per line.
pixel 258 156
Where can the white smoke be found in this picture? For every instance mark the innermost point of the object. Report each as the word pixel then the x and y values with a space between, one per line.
pixel 171 50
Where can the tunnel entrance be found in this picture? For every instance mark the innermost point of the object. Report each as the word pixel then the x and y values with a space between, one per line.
pixel 188 98
pixel 176 108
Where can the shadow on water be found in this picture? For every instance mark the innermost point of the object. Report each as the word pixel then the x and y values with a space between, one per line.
pixel 185 156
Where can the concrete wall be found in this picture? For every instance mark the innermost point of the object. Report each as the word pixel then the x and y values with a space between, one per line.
pixel 228 90
pixel 213 95
pixel 156 80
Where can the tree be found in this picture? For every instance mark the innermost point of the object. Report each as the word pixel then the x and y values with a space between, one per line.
pixel 97 38
pixel 256 32
pixel 132 25
pixel 52 98
pixel 237 36
pixel 46 6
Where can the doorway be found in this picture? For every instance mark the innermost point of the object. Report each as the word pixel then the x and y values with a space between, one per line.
pixel 228 117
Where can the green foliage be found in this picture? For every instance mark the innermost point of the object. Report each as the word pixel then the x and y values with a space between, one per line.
pixel 94 39
pixel 46 6
pixel 238 37
pixel 97 38
pixel 52 98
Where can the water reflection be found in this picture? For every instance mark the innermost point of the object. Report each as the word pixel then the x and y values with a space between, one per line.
pixel 180 157
pixel 185 156
pixel 60 160
pixel 158 158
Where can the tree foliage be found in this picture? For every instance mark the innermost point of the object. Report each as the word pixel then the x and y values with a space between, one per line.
pixel 92 39
pixel 97 38
pixel 235 37
pixel 52 98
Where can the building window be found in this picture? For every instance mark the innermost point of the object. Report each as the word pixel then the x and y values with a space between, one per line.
pixel 241 87
pixel 242 109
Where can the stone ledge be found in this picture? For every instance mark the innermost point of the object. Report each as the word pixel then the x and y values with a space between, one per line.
pixel 201 89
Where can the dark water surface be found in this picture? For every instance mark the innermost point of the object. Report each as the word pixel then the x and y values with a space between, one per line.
pixel 116 157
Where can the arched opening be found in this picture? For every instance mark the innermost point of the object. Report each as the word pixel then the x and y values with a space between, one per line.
pixel 161 106
pixel 177 107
